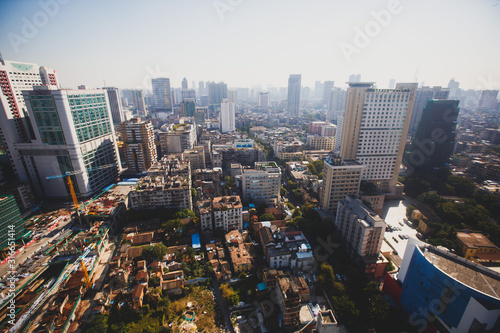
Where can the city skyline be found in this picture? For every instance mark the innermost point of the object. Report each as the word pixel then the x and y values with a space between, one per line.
pixel 331 29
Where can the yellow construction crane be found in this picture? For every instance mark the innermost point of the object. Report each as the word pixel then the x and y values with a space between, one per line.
pixel 70 183
pixel 86 277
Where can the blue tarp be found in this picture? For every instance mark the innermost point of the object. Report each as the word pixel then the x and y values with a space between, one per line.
pixel 195 240
pixel 261 286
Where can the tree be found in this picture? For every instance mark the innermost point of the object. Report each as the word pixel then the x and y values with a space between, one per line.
pixel 98 324
pixel 283 191
pixel 154 252
pixel 296 213
pixel 231 297
pixel 267 217
pixel 379 310
pixel 345 309
pixel 326 276
pixel 410 210
pixel 194 193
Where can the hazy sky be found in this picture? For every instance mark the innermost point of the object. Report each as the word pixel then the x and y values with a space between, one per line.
pixel 247 42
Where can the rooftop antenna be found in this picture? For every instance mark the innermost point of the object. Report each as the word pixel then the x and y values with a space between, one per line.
pixel 416 74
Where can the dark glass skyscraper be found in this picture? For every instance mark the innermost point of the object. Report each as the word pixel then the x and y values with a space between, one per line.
pixel 433 143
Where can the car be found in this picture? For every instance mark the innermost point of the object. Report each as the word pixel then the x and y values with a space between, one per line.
pixel 338 277
pixel 345 277
pixel 401 223
pixel 401 236
pixel 394 238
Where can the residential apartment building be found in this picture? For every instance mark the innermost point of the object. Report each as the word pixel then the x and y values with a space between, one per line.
pixel 374 130
pixel 167 185
pixel 221 213
pixel 138 144
pixel 178 138
pixel 320 142
pixel 262 184
pixel 340 178
pixel 72 132
pixel 227 116
pixel 195 157
pixel 240 250
pixel 362 232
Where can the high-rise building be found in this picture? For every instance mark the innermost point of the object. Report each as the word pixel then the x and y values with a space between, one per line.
pixel 227 117
pixel 136 99
pixel 221 213
pixel 185 84
pixel 262 184
pixel 423 95
pixel 338 134
pixel 138 144
pixel 434 140
pixel 115 105
pixel 362 232
pixel 15 125
pixel 340 178
pixel 392 83
pixel 488 99
pixel 354 78
pixel 318 90
pixel 374 130
pixel 188 94
pixel 162 97
pixel 188 107
pixel 336 103
pixel 232 95
pixel 216 93
pixel 454 87
pixel 73 132
pixel 327 89
pixel 293 106
pixel 11 222
pixel 201 89
pixel 264 100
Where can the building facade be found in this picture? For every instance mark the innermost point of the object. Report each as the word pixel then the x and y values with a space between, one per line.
pixel 444 292
pixel 340 179
pixel 262 184
pixel 162 96
pixel 423 95
pixel 138 144
pixel 178 138
pixel 434 139
pixel 320 142
pixel 362 232
pixel 74 133
pixel 227 116
pixel 293 104
pixel 374 130
pixel 11 222
pixel 115 105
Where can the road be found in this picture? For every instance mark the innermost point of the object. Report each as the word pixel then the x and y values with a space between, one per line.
pixel 393 213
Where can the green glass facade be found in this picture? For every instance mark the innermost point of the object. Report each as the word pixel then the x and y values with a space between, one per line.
pixel 47 119
pixel 90 116
pixel 9 216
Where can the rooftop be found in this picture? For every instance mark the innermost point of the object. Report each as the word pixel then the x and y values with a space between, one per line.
pixel 474 239
pixel 467 272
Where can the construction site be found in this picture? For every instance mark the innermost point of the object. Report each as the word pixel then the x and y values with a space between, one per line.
pixel 47 300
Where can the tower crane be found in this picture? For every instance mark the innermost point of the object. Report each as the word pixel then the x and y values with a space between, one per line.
pixel 68 175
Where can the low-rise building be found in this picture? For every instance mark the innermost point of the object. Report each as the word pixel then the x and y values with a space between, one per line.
pixel 240 251
pixel 321 142
pixel 475 246
pixel 289 293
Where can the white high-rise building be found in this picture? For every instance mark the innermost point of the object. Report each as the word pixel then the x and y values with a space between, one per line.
pixel 73 131
pixel 15 126
pixel 264 99
pixel 354 78
pixel 227 116
pixel 327 89
pixel 293 107
pixel 374 130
